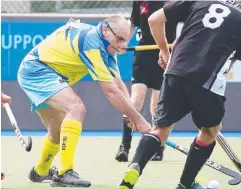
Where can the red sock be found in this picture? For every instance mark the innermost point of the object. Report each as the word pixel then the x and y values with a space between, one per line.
pixel 201 143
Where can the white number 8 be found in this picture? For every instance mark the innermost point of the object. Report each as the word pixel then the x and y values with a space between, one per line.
pixel 214 14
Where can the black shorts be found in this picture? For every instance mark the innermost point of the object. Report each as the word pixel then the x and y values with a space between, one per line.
pixel 179 97
pixel 146 69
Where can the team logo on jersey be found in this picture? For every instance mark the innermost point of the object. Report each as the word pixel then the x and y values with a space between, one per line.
pixel 138 34
pixel 62 80
pixel 144 8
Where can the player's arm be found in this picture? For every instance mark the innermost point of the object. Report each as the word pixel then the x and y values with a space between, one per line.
pixel 157 25
pixel 132 31
pixel 118 96
pixel 135 18
pixel 119 101
pixel 122 87
pixel 173 11
pixel 114 69
pixel 99 69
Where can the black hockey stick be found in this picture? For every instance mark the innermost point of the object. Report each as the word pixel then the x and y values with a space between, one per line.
pixel 235 175
pixel 228 150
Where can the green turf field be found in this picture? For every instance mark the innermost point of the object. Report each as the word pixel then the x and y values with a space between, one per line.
pixel 95 161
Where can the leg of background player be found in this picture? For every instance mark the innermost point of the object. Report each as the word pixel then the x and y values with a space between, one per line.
pixel 2 176
pixel 138 94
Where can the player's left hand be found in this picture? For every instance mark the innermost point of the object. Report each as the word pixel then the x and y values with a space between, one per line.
pixel 5 99
pixel 121 51
pixel 132 126
pixel 142 126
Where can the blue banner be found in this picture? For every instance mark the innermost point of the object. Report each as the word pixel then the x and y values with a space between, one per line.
pixel 19 37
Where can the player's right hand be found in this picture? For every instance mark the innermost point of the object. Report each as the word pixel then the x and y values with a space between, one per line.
pixel 163 59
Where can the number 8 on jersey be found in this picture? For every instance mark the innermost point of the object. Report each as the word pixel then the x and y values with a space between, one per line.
pixel 217 12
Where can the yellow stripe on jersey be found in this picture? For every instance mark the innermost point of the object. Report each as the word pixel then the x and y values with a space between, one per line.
pixel 61 54
pixel 117 74
pixel 94 77
pixel 99 66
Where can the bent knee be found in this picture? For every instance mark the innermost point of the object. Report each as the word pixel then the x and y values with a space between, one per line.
pixel 210 134
pixel 76 110
pixel 79 108
pixel 161 132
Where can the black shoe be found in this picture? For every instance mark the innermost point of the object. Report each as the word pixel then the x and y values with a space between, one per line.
pixel 122 154
pixel 131 177
pixel 2 176
pixel 180 186
pixel 68 179
pixel 159 155
pixel 35 177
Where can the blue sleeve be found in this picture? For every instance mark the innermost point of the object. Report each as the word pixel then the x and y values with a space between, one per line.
pixel 94 56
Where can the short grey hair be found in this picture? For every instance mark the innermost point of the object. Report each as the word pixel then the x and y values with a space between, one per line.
pixel 114 19
pixel 119 24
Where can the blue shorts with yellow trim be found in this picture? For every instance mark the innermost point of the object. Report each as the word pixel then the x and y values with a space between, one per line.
pixel 39 82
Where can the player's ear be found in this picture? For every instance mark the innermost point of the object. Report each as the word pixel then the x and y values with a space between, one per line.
pixel 105 30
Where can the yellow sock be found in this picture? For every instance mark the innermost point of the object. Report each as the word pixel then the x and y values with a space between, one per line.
pixel 70 132
pixel 48 152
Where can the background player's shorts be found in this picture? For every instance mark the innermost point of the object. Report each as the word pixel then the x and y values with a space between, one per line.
pixel 179 97
pixel 146 69
pixel 39 82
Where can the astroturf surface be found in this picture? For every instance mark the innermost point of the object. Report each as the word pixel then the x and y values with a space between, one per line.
pixel 95 161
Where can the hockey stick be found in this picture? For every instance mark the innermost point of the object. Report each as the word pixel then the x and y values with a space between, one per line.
pixel 27 146
pixel 235 175
pixel 144 47
pixel 228 150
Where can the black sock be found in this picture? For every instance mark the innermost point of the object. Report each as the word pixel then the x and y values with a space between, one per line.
pixel 127 132
pixel 146 149
pixel 196 158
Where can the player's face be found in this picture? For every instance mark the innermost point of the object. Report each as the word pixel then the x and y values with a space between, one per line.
pixel 117 42
pixel 116 50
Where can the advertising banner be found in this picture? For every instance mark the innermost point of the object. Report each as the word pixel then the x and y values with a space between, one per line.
pixel 19 37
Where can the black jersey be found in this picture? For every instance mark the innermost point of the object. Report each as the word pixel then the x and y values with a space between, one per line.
pixel 141 11
pixel 211 34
